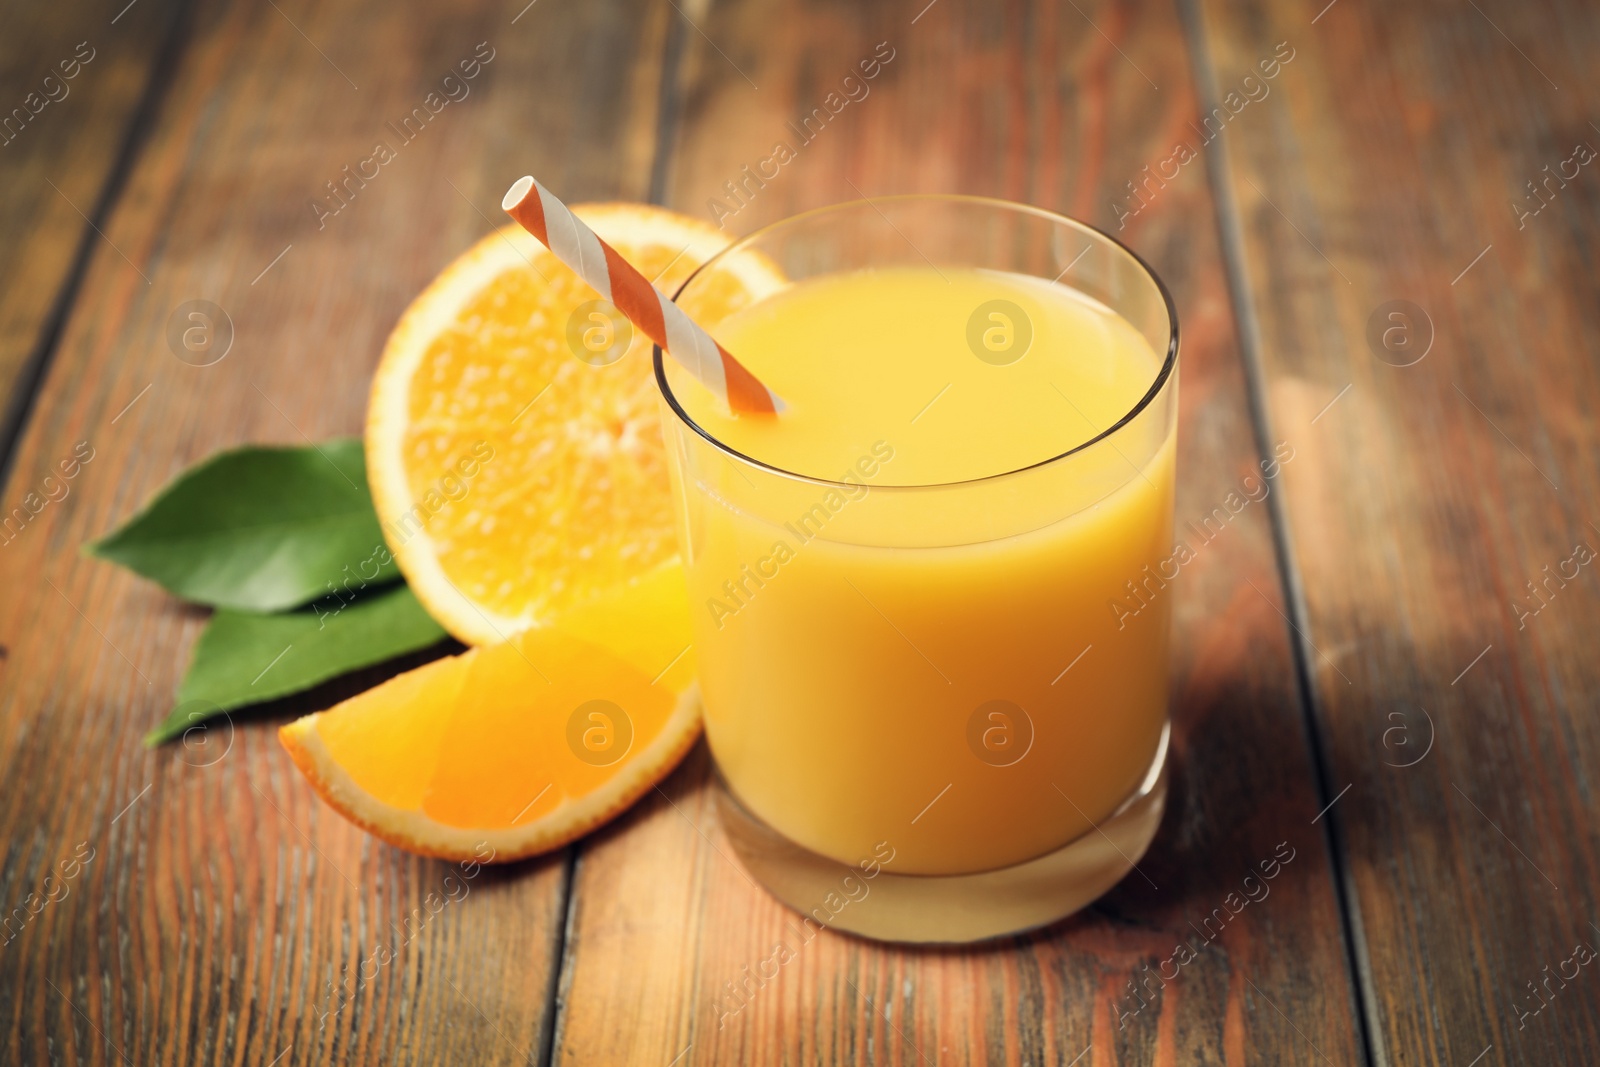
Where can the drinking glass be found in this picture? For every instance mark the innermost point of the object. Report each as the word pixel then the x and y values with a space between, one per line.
pixel 939 714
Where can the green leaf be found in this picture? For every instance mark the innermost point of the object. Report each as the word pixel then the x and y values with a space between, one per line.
pixel 244 658
pixel 259 529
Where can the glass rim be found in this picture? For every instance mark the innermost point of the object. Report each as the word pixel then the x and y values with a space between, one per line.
pixel 1168 365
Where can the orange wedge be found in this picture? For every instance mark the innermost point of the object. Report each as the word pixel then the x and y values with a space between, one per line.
pixel 513 438
pixel 516 748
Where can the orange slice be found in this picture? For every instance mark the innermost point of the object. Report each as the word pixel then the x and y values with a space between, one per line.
pixel 513 437
pixel 513 749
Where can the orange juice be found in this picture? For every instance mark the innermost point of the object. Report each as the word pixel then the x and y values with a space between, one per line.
pixel 905 607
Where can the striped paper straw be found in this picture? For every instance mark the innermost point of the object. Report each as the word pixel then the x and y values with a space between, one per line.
pixel 597 263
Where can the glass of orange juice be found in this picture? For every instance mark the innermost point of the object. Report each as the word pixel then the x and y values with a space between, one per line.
pixel 929 598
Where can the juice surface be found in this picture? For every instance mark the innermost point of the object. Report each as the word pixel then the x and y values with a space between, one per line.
pixel 963 385
pixel 873 670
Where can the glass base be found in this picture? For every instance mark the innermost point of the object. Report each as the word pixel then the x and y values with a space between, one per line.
pixel 957 908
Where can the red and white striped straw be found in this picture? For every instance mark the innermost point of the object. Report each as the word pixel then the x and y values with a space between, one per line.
pixel 616 280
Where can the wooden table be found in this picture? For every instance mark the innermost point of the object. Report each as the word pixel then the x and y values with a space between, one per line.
pixel 1365 679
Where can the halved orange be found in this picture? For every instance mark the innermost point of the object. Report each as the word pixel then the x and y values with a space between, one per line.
pixel 513 438
pixel 516 748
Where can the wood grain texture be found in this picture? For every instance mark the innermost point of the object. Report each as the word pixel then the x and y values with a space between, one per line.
pixel 224 916
pixel 1392 162
pixel 1059 106
pixel 72 85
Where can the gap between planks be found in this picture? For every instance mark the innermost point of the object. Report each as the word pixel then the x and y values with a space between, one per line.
pixel 1230 237
pixel 563 957
pixel 19 408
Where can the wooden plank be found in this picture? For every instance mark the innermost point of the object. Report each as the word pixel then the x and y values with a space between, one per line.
pixel 1392 162
pixel 1057 106
pixel 226 915
pixel 71 85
